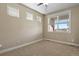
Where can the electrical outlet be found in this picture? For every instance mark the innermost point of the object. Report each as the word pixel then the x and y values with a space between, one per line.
pixel 0 45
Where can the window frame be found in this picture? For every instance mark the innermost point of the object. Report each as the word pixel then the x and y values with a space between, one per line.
pixel 29 18
pixel 10 11
pixel 38 18
pixel 57 14
pixel 59 22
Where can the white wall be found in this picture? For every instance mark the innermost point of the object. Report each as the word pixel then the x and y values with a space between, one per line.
pixel 16 31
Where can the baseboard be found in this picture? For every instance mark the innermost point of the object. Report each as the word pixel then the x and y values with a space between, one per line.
pixel 68 43
pixel 16 47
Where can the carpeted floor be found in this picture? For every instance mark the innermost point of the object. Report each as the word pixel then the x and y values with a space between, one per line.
pixel 45 48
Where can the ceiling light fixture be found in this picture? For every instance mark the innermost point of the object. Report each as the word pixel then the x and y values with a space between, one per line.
pixel 45 4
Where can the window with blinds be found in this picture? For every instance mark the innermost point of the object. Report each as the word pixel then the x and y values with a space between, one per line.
pixel 38 18
pixel 29 16
pixel 13 11
pixel 62 23
pixel 59 23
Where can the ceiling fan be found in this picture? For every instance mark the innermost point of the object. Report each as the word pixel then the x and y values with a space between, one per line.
pixel 45 4
pixel 39 4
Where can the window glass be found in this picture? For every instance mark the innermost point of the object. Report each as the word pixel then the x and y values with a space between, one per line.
pixel 29 16
pixel 13 11
pixel 60 22
pixel 38 18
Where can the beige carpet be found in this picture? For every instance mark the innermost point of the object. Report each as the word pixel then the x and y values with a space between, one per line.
pixel 45 48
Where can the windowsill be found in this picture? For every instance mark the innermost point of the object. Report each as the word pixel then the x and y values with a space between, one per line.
pixel 59 31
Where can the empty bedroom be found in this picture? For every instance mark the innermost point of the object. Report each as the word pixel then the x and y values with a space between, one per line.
pixel 39 29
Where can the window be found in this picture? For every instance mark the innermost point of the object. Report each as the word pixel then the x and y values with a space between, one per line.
pixel 29 16
pixel 58 23
pixel 13 11
pixel 38 18
pixel 62 23
pixel 51 24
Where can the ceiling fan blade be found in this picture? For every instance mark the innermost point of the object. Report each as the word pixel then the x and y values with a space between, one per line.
pixel 40 4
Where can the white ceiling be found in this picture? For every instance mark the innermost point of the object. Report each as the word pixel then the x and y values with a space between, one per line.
pixel 52 7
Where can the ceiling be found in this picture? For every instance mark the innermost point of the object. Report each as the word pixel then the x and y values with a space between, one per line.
pixel 52 7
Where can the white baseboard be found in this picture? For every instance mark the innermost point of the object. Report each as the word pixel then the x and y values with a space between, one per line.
pixel 68 43
pixel 13 48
